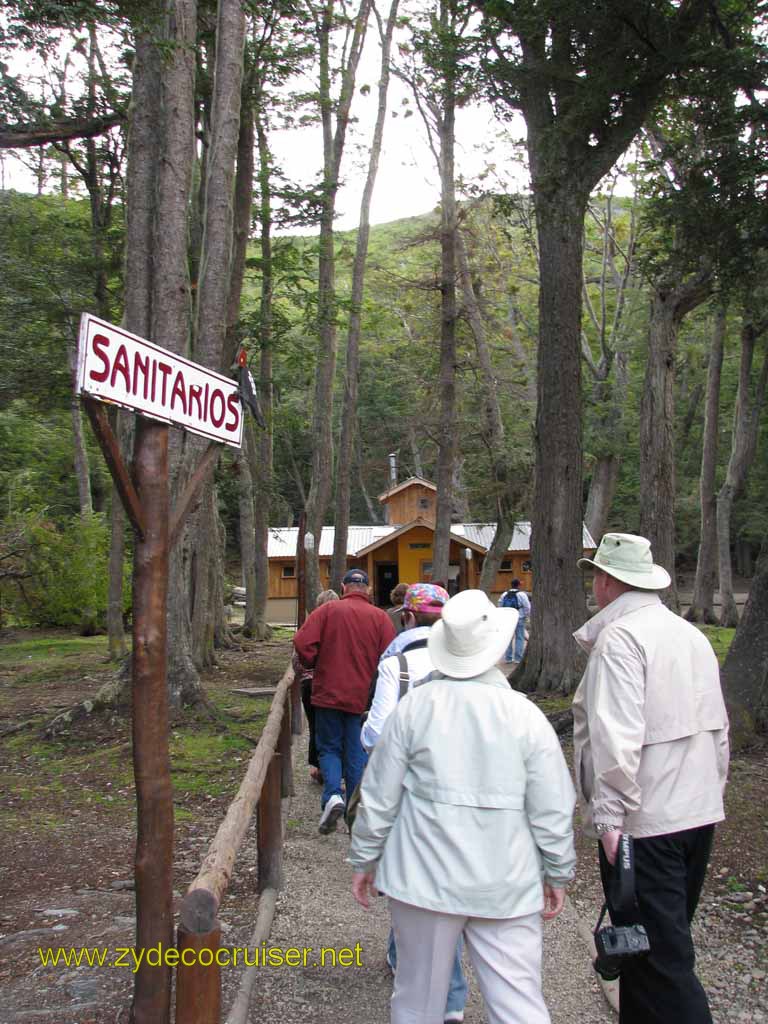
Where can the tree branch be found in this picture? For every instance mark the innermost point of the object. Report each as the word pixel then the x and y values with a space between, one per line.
pixel 26 136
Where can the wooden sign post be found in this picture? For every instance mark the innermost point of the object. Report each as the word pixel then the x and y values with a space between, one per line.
pixel 120 368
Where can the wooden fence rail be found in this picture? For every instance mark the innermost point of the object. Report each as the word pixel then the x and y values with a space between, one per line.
pixel 268 779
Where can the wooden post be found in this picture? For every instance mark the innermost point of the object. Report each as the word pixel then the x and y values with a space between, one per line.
pixel 284 750
pixel 198 985
pixel 270 829
pixel 198 976
pixel 151 760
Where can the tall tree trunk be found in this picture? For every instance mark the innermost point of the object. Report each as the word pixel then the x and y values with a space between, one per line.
pixel 349 403
pixel 574 136
pixel 374 510
pixel 243 203
pixel 171 304
pixel 117 645
pixel 502 538
pixel 745 672
pixel 611 400
pixel 507 484
pixel 322 411
pixel 116 642
pixel 88 623
pixel 262 449
pixel 558 606
pixel 657 437
pixel 446 451
pixel 141 193
pixel 191 600
pixel 602 488
pixel 746 424
pixel 670 303
pixel 213 312
pixel 703 602
pixel 82 471
pixel 247 525
pixel 255 476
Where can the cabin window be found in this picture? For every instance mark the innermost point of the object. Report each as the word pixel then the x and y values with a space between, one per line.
pixel 423 502
pixel 527 566
pixel 506 566
pixel 419 546
pixel 289 572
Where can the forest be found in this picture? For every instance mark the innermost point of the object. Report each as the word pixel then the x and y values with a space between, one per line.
pixel 588 348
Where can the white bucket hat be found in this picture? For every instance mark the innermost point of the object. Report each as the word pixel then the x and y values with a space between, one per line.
pixel 628 558
pixel 471 635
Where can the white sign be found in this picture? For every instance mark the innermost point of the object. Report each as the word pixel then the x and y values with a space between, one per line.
pixel 116 366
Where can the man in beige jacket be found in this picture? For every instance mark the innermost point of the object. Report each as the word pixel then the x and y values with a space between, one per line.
pixel 651 757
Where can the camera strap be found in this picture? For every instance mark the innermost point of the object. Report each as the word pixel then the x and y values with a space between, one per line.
pixel 600 919
pixel 622 883
pixel 622 887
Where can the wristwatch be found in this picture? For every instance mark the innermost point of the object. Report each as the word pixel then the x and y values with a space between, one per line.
pixel 603 827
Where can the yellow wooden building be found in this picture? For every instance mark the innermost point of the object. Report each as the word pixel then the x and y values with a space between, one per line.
pixel 400 550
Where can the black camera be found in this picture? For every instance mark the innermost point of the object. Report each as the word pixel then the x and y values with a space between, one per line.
pixel 615 943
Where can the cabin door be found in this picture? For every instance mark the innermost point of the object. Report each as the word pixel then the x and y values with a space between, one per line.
pixel 386 581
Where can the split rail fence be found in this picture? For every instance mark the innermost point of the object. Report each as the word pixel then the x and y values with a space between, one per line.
pixel 268 779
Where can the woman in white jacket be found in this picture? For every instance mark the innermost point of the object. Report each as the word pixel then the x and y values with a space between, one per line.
pixel 465 823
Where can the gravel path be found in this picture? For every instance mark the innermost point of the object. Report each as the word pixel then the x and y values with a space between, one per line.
pixel 316 909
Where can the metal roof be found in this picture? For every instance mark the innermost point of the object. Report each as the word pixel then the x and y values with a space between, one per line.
pixel 282 541
pixel 483 534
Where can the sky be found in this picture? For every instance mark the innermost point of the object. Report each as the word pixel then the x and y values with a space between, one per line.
pixel 407 183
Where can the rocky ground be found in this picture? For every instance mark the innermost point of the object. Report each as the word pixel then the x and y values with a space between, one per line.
pixel 66 879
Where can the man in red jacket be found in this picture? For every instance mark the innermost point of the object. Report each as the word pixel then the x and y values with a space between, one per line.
pixel 342 642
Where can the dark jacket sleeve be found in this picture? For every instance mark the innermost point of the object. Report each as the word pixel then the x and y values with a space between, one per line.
pixel 307 640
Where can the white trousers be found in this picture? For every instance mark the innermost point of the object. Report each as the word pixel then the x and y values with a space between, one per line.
pixel 505 953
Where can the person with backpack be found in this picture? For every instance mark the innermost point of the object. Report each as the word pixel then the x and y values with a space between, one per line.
pixel 515 597
pixel 399 673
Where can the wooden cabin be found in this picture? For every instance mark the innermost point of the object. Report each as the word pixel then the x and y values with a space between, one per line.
pixel 400 550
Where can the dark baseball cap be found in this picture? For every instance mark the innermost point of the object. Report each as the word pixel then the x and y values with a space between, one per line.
pixel 356 576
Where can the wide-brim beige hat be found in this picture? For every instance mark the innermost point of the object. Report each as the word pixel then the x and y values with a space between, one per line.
pixel 628 558
pixel 471 636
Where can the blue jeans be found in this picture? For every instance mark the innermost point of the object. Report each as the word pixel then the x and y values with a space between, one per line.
pixel 339 750
pixel 515 649
pixel 457 990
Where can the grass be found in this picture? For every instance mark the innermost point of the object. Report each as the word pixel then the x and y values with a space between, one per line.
pixel 47 648
pixel 553 703
pixel 721 638
pixel 209 753
pixel 283 633
pixel 51 658
pixel 208 761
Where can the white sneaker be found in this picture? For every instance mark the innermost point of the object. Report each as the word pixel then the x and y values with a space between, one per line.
pixel 332 811
pixel 454 1017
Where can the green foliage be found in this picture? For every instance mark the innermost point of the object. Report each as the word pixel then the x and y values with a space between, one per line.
pixel 36 471
pixel 64 570
pixel 721 639
pixel 47 270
